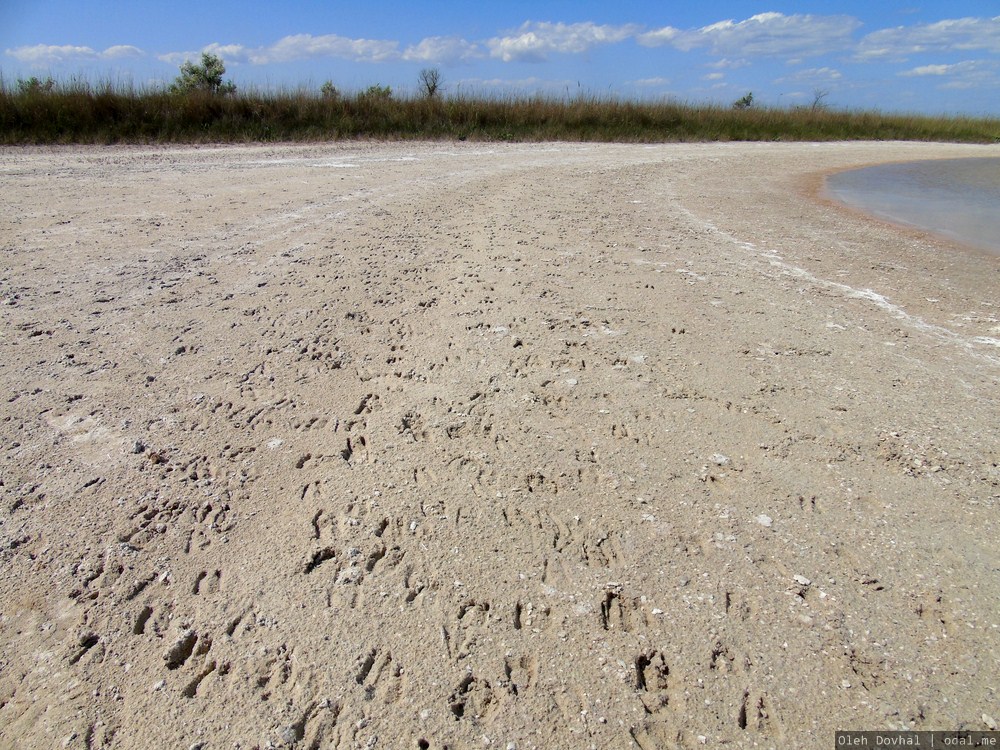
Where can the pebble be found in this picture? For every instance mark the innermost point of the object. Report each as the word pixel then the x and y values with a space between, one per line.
pixel 802 580
pixel 765 520
pixel 990 722
pixel 349 575
pixel 720 460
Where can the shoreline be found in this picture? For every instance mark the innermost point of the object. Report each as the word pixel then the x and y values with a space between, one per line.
pixel 559 443
pixel 822 192
pixel 815 189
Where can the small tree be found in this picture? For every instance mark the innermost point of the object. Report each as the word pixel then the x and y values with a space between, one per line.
pixel 430 81
pixel 377 92
pixel 818 96
pixel 329 91
pixel 744 102
pixel 34 85
pixel 204 77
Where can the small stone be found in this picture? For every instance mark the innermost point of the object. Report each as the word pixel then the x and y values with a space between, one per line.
pixel 990 722
pixel 657 611
pixel 684 581
pixel 765 521
pixel 349 575
pixel 802 580
pixel 290 734
pixel 571 382
pixel 720 460
pixel 158 686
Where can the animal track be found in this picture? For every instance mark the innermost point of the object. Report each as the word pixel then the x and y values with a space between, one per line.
pixel 620 613
pixel 652 681
pixel 183 648
pixel 206 583
pixel 474 699
pixel 520 674
pixel 380 677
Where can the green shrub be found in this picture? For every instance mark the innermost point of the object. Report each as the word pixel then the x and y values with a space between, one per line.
pixel 205 77
pixel 35 86
pixel 377 92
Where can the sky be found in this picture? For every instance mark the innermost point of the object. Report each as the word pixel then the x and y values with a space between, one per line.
pixel 940 57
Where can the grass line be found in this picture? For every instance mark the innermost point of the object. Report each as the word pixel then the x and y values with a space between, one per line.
pixel 81 113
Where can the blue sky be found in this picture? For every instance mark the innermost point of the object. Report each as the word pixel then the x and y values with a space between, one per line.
pixel 917 56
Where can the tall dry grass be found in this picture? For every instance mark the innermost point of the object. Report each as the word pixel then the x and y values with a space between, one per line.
pixel 78 112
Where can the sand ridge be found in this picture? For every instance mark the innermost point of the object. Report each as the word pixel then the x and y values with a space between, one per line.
pixel 470 445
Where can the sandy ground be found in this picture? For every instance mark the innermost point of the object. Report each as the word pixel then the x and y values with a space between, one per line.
pixel 457 445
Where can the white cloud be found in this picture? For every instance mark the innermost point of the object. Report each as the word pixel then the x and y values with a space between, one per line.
pixel 302 46
pixel 650 82
pixel 121 50
pixel 535 41
pixel 725 63
pixel 714 77
pixel 443 49
pixel 658 37
pixel 47 54
pixel 770 35
pixel 962 75
pixel 951 35
pixel 296 47
pixel 813 75
pixel 937 70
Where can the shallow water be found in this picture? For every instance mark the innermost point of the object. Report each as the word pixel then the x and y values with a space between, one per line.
pixel 957 198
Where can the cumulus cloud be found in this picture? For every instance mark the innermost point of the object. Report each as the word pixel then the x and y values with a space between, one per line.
pixel 650 82
pixel 307 46
pixel 297 47
pixel 535 41
pixel 961 75
pixel 938 70
pixel 950 35
pixel 121 50
pixel 302 46
pixel 773 35
pixel 48 54
pixel 813 75
pixel 658 37
pixel 442 49
pixel 726 64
